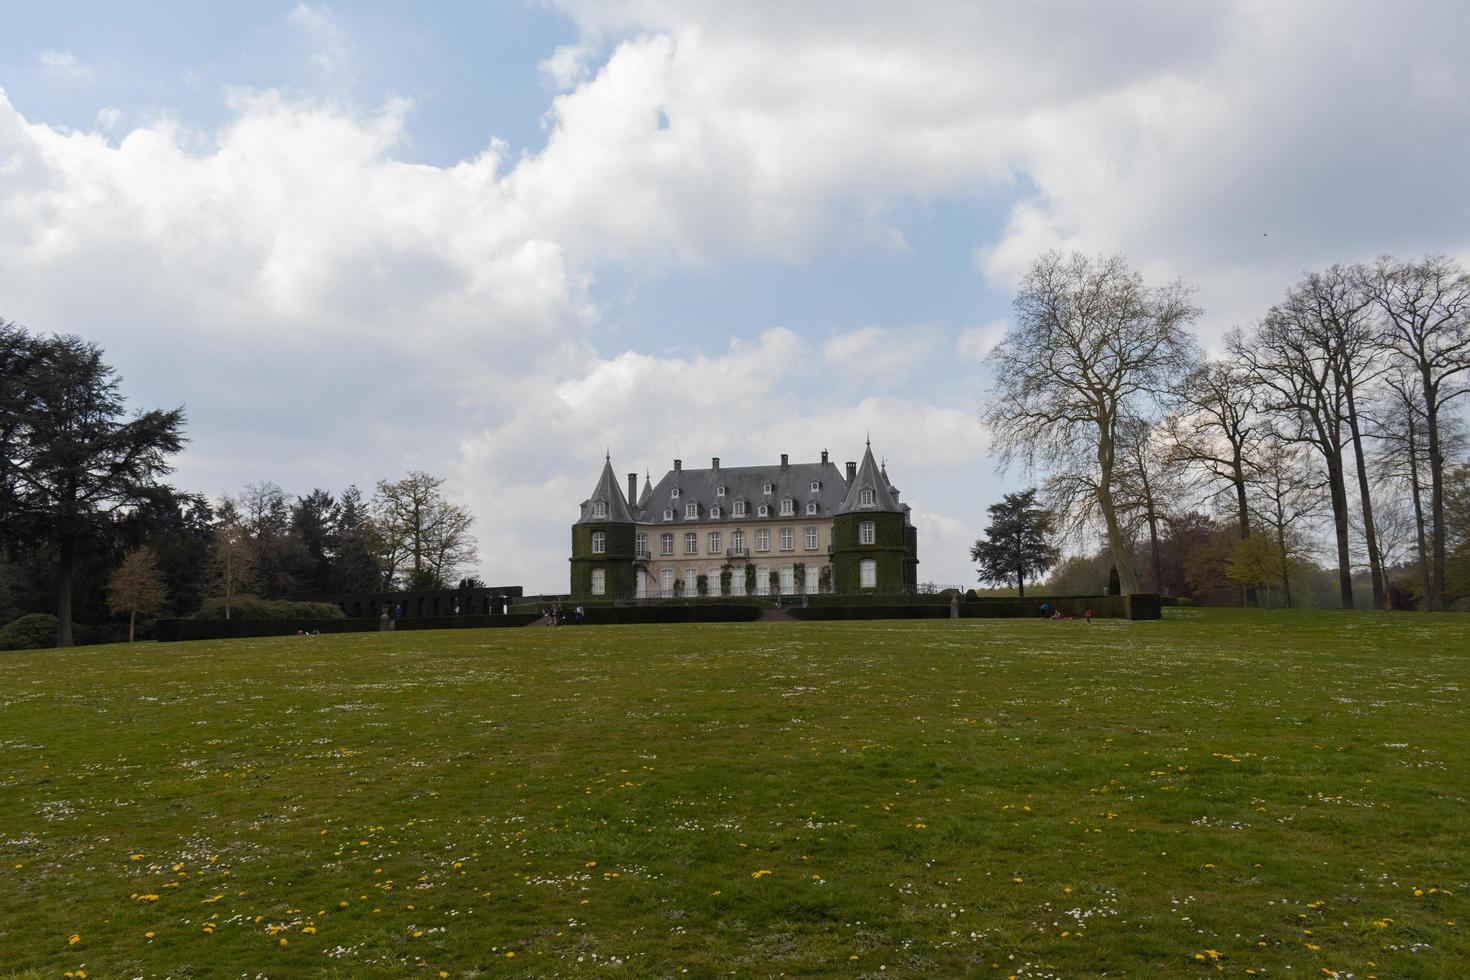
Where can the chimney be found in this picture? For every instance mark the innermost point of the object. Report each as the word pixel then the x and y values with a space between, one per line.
pixel 824 457
pixel 714 462
pixel 633 489
pixel 785 460
pixel 678 465
pixel 851 472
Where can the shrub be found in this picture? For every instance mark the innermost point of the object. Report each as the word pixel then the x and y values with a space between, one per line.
pixel 30 632
pixel 253 607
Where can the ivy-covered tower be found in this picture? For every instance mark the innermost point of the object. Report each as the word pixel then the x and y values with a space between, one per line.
pixel 874 546
pixel 604 541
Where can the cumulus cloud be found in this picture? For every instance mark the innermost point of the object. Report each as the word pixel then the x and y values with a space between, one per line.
pixel 974 343
pixel 330 49
pixel 879 354
pixel 63 63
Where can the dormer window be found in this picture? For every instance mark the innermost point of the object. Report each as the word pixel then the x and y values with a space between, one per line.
pixel 691 510
pixel 668 513
pixel 763 511
pixel 739 508
pixel 865 497
pixel 599 508
pixel 767 488
pixel 674 494
pixel 719 491
pixel 811 507
pixel 787 507
pixel 714 512
pixel 816 485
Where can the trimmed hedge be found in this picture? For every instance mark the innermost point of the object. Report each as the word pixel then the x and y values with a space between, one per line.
pixel 1142 606
pixel 170 630
pixel 254 607
pixel 705 612
pixel 830 612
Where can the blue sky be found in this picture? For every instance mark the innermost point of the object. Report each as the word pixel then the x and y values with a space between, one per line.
pixel 490 240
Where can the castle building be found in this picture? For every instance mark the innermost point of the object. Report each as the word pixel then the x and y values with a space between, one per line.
pixel 792 529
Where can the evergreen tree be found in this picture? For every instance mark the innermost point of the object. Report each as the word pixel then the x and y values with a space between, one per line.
pixel 1015 545
pixel 71 460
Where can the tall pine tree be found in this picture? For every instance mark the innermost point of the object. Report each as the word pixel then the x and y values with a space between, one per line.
pixel 1015 545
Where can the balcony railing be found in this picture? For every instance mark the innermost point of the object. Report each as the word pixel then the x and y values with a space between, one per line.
pixel 737 552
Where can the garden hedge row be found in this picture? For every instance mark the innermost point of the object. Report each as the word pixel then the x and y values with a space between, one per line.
pixel 169 630
pixel 1142 606
pixel 705 612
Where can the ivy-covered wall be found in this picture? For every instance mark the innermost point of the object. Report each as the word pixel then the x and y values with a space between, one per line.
pixel 617 559
pixel 889 550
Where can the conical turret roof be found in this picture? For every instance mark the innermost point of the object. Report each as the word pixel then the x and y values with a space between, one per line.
pixel 869 477
pixel 608 493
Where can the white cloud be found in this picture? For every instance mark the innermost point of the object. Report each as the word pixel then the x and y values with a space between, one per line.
pixel 884 355
pixel 109 118
pixel 975 343
pixel 63 63
pixel 331 51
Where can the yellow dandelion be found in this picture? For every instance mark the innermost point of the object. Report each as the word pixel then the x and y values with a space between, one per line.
pixel 74 939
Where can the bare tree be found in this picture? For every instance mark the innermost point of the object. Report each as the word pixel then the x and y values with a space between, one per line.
pixel 421 531
pixel 136 587
pixel 1091 344
pixel 1146 483
pixel 1214 429
pixel 1294 359
pixel 233 568
pixel 1426 306
pixel 1286 494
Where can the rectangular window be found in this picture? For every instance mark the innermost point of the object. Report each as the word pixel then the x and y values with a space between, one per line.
pixel 691 581
pixel 788 580
pixel 599 581
pixel 713 544
pixel 691 510
pixel 642 542
pixel 666 544
pixel 691 543
pixel 811 539
pixel 868 574
pixel 739 508
pixel 762 580
pixel 865 533
pixel 788 539
pixel 737 580
pixel 599 509
pixel 788 507
pixel 813 578
pixel 763 540
pixel 737 541
pixel 666 582
pixel 599 542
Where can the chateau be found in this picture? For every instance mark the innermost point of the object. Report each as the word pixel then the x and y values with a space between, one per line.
pixel 792 529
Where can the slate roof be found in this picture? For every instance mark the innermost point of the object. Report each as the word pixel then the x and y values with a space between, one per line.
pixel 870 477
pixel 701 486
pixel 607 491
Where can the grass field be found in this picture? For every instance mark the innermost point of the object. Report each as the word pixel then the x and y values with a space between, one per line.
pixel 1220 792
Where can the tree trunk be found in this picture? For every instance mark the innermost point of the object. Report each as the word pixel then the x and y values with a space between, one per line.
pixel 1020 583
pixel 1375 565
pixel 1127 580
pixel 1285 562
pixel 1237 477
pixel 1153 547
pixel 1436 494
pixel 1340 523
pixel 1418 496
pixel 132 619
pixel 65 569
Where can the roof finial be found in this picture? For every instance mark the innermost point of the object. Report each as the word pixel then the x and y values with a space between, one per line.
pixel 607 455
pixel 869 437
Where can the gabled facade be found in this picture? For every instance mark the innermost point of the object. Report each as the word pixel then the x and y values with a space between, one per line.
pixel 792 529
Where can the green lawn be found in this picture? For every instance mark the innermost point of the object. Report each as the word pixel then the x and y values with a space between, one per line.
pixel 1220 791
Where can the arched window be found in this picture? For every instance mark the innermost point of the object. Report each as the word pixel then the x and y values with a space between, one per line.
pixel 719 491
pixel 762 511
pixel 767 488
pixel 867 574
pixel 691 581
pixel 666 543
pixel 666 582
pixel 816 485
pixel 737 541
pixel 668 513
pixel 811 507
pixel 691 543
pixel 865 497
pixel 865 533
pixel 599 581
pixel 599 542
pixel 674 494
pixel 714 512
pixel 712 544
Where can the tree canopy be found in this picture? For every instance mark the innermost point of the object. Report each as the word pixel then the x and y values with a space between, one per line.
pixel 1015 546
